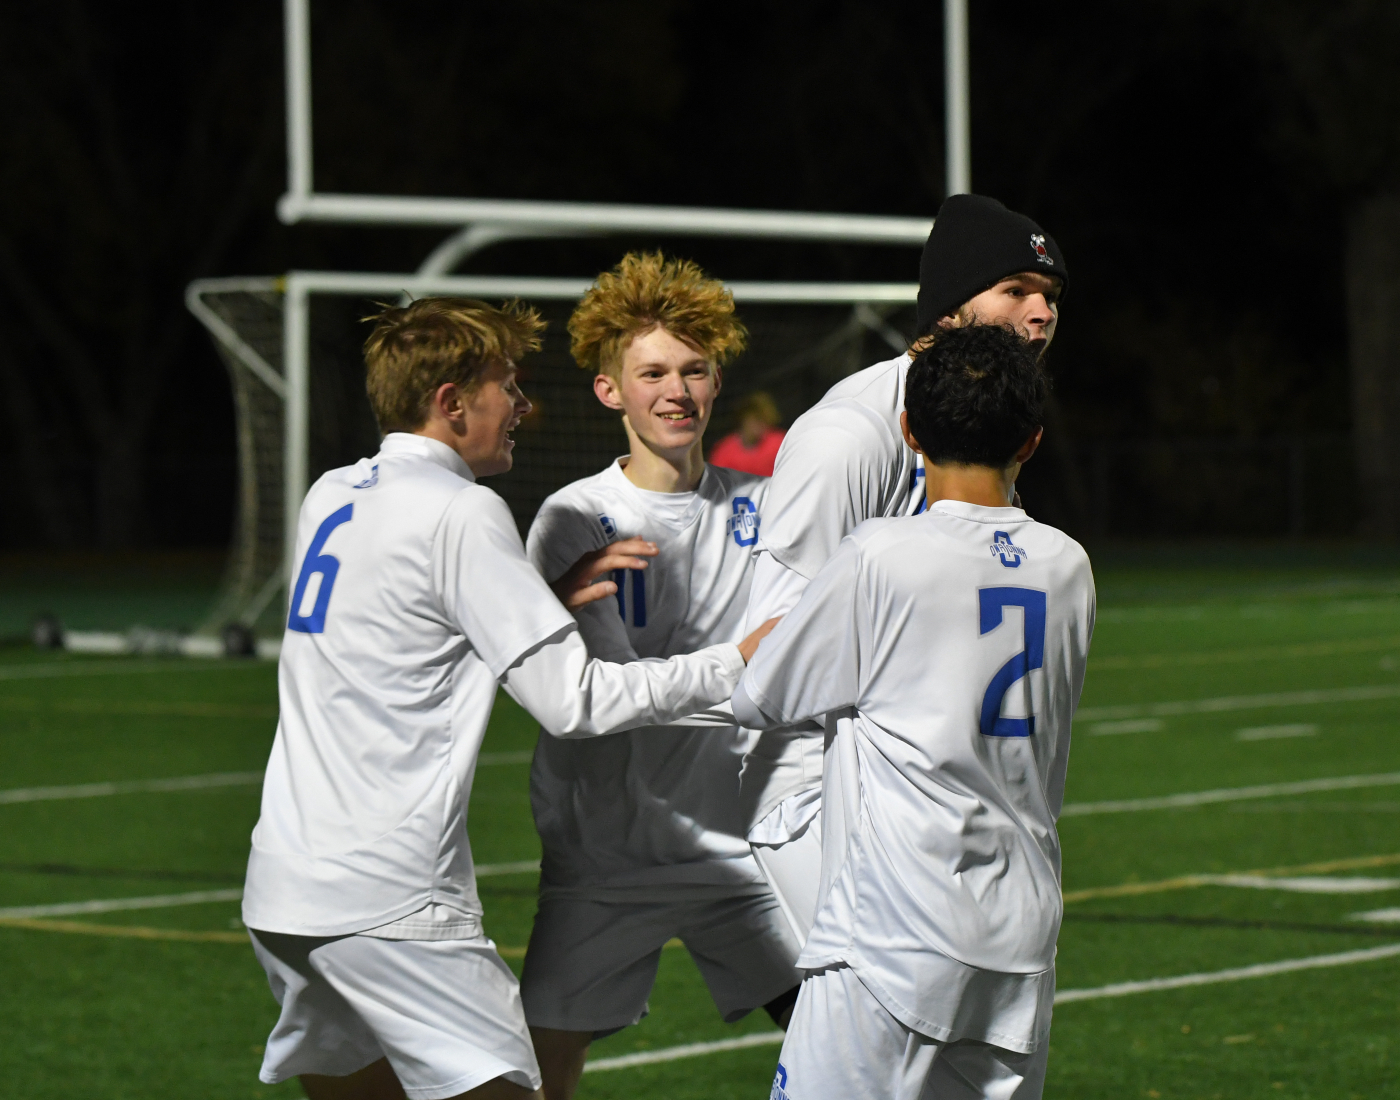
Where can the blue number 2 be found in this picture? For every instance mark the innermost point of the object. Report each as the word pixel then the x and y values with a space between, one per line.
pixel 317 562
pixel 1031 656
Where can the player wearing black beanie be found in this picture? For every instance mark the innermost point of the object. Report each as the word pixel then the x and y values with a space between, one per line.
pixel 977 242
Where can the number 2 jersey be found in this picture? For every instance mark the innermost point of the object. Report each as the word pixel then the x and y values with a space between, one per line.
pixel 948 651
pixel 655 806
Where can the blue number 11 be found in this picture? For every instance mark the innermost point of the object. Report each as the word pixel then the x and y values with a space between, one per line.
pixel 1031 656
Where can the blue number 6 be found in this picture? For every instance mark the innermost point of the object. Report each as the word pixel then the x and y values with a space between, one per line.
pixel 316 562
pixel 1032 655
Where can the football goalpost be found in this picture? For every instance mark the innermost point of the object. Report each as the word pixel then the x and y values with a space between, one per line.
pixel 297 379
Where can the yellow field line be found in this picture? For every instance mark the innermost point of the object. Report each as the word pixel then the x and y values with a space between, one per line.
pixel 1261 653
pixel 129 931
pixel 141 932
pixel 1187 882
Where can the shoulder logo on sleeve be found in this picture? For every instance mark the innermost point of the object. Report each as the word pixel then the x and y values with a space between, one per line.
pixel 1041 253
pixel 371 481
pixel 743 524
pixel 609 527
pixel 1010 554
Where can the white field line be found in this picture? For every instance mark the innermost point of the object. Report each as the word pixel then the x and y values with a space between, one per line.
pixel 1305 884
pixel 1236 974
pixel 114 905
pixel 1230 794
pixel 1064 996
pixel 689 1050
pixel 199 897
pixel 44 670
pixel 1239 702
pixel 133 786
pixel 189 782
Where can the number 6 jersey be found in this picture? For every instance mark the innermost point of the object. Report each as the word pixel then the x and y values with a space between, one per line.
pixel 949 651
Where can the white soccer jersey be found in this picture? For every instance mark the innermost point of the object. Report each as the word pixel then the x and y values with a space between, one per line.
pixel 413 599
pixel 652 806
pixel 948 651
pixel 842 462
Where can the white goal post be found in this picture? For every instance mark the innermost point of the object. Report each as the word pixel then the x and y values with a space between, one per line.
pixel 261 327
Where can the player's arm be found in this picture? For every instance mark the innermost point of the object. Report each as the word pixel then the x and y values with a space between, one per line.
pixel 517 626
pixel 811 664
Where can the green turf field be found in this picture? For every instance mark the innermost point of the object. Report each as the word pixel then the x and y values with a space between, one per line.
pixel 168 1001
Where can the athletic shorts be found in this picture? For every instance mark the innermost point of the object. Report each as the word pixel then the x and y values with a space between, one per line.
pixel 842 1043
pixel 446 1013
pixel 590 965
pixel 794 871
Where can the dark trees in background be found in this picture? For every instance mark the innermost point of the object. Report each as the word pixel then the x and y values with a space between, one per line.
pixel 1338 122
pixel 1201 162
pixel 139 143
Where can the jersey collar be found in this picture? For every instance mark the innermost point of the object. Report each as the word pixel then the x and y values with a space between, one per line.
pixel 406 443
pixel 978 513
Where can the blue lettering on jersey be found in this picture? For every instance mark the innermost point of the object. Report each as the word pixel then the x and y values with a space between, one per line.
pixel 779 1090
pixel 609 527
pixel 316 562
pixel 639 595
pixel 991 603
pixel 743 524
pixel 1010 554
pixel 371 481
pixel 916 475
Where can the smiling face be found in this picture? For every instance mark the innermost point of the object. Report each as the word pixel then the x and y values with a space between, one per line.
pixel 1027 302
pixel 665 390
pixel 492 410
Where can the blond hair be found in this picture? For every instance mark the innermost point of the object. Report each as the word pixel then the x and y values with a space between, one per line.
pixel 419 347
pixel 646 290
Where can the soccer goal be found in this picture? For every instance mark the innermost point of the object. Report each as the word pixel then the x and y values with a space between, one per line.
pixel 291 345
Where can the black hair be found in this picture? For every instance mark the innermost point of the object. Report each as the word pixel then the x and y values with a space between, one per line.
pixel 975 396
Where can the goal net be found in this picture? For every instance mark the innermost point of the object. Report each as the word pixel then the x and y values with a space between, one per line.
pixel 796 351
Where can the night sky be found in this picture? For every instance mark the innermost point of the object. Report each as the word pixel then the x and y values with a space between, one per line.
pixel 1200 164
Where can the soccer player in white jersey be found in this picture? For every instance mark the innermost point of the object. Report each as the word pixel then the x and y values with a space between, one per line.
pixel 845 461
pixel 644 835
pixel 411 601
pixel 949 649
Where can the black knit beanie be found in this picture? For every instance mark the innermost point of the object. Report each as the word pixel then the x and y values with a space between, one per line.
pixel 976 242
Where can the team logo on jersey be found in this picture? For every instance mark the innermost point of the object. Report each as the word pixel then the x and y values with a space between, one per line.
pixel 609 527
pixel 371 481
pixel 743 524
pixel 779 1091
pixel 1038 243
pixel 1010 554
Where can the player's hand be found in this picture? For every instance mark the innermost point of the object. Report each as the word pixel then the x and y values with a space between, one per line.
pixel 750 644
pixel 577 587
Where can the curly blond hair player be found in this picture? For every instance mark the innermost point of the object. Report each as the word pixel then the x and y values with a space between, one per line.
pixel 644 291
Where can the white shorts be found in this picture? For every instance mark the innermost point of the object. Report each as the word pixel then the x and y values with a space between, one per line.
pixel 794 870
pixel 842 1043
pixel 591 964
pixel 446 1013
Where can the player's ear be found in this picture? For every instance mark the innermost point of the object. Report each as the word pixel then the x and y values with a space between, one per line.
pixel 608 390
pixel 1028 447
pixel 908 435
pixel 447 402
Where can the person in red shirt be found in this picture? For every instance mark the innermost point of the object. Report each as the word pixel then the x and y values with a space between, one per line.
pixel 754 447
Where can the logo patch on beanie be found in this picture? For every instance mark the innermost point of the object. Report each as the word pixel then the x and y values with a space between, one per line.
pixel 1038 243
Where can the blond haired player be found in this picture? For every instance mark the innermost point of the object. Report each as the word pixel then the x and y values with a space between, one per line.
pixel 412 600
pixel 845 461
pixel 644 834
